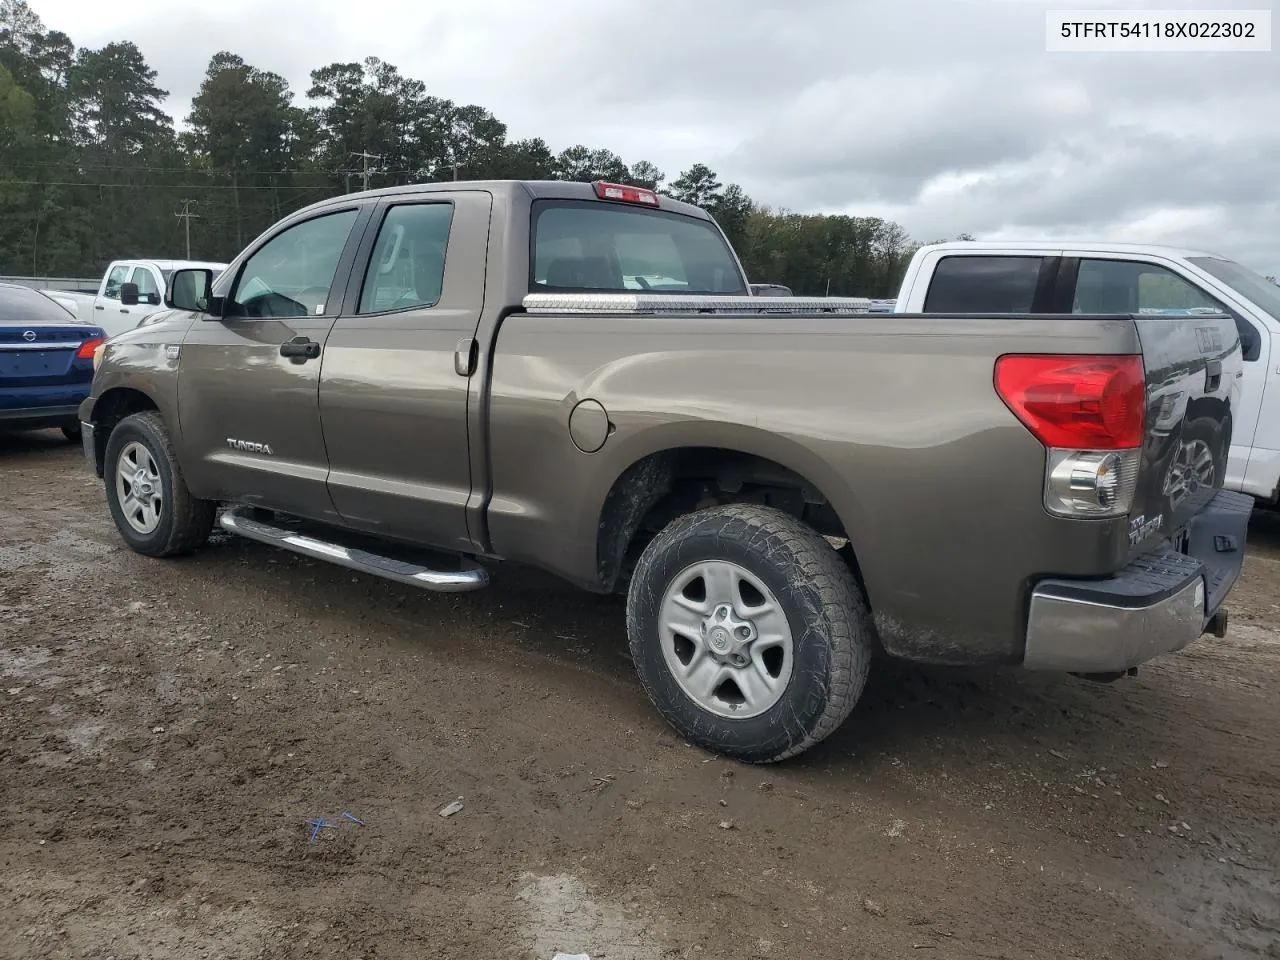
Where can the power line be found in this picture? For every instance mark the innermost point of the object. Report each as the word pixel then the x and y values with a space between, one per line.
pixel 165 186
pixel 147 168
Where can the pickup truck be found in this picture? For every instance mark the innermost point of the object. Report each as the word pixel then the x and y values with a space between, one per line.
pixel 130 291
pixel 422 382
pixel 1076 278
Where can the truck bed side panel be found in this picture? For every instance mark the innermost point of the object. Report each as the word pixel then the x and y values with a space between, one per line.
pixel 895 419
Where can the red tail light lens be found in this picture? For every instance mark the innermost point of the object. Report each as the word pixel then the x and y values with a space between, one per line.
pixel 86 349
pixel 626 194
pixel 1077 402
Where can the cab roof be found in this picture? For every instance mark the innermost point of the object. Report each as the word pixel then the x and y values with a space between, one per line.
pixel 1086 246
pixel 533 189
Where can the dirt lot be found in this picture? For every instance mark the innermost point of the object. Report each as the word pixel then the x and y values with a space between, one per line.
pixel 169 728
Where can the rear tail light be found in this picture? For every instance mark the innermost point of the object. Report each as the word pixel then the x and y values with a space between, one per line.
pixel 86 349
pixel 1090 414
pixel 625 194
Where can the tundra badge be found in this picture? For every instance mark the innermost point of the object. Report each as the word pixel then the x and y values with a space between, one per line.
pixel 1140 528
pixel 249 447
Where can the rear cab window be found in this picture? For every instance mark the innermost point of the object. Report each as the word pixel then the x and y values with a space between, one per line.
pixel 967 283
pixel 594 246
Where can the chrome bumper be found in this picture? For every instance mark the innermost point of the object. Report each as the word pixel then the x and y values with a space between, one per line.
pixel 1158 604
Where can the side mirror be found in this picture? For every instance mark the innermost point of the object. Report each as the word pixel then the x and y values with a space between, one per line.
pixel 129 294
pixel 191 290
pixel 153 299
pixel 1250 342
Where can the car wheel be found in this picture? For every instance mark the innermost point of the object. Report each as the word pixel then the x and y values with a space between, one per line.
pixel 748 632
pixel 72 433
pixel 148 498
pixel 1195 467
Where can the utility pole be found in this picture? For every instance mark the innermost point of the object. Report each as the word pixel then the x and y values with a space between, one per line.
pixel 366 156
pixel 187 215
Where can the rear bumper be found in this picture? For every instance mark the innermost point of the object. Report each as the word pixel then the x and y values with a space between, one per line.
pixel 37 418
pixel 1159 603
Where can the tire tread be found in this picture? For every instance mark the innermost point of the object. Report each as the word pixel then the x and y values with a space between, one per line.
pixel 797 551
pixel 192 518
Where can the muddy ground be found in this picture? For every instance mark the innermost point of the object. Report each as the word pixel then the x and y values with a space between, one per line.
pixel 169 728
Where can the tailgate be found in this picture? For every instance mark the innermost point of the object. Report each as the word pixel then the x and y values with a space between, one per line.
pixel 1193 365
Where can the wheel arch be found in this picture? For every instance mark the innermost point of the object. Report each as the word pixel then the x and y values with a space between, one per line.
pixel 677 467
pixel 109 409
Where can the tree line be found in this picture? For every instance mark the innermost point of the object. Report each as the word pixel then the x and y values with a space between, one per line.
pixel 92 169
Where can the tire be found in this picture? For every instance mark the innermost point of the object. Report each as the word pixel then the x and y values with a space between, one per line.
pixel 72 433
pixel 182 522
pixel 1198 462
pixel 831 636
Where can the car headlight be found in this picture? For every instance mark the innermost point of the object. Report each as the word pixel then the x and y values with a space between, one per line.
pixel 97 355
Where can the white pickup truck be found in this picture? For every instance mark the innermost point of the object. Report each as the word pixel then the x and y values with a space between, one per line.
pixel 116 307
pixel 1125 278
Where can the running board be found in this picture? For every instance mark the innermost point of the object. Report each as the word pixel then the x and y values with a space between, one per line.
pixel 471 577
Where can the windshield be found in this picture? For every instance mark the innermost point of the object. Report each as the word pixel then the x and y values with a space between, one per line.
pixel 583 246
pixel 1254 287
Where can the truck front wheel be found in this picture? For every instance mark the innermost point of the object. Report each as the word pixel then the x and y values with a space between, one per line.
pixel 748 632
pixel 149 501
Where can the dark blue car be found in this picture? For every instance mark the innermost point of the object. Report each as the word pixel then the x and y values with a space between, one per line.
pixel 46 362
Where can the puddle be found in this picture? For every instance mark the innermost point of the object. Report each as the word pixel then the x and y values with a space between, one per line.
pixel 86 916
pixel 63 556
pixel 24 664
pixel 1229 898
pixel 563 918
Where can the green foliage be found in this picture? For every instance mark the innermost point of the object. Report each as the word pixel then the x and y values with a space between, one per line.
pixel 92 169
pixel 697 185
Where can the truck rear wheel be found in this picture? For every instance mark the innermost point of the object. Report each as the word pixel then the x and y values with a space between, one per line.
pixel 149 501
pixel 748 632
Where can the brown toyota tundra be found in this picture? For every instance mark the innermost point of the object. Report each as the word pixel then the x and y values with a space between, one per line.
pixel 424 381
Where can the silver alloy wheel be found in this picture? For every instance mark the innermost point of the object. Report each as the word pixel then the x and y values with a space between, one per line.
pixel 726 639
pixel 1192 469
pixel 138 488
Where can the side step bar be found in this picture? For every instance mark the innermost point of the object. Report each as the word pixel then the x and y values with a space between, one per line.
pixel 471 577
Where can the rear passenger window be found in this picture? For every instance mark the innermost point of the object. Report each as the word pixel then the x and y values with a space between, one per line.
pixel 407 268
pixel 968 284
pixel 1128 286
pixel 146 281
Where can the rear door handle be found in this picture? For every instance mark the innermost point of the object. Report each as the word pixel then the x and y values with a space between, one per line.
pixel 300 349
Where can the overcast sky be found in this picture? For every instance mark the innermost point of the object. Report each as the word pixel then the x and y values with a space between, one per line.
pixel 947 116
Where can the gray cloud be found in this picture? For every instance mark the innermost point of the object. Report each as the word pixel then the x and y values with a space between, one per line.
pixel 947 115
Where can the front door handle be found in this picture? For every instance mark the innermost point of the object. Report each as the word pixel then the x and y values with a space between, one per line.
pixel 300 349
pixel 464 357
